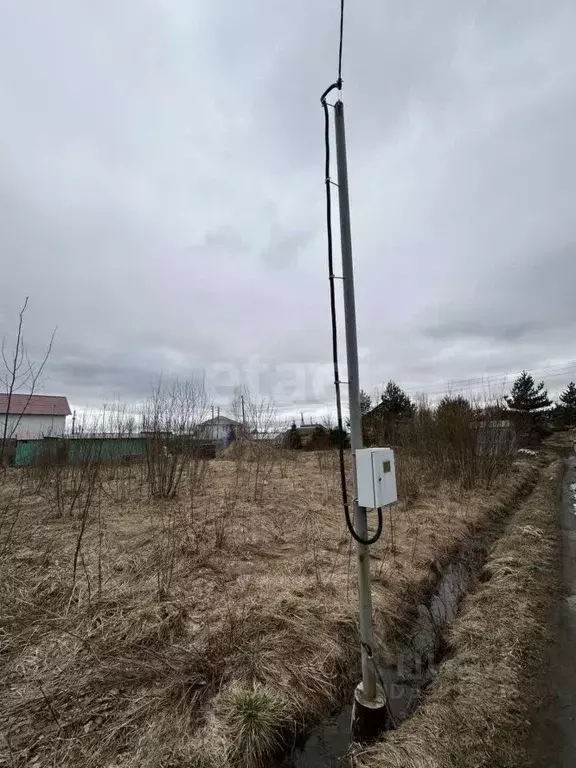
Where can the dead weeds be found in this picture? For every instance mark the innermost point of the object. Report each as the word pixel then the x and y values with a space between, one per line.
pixel 167 632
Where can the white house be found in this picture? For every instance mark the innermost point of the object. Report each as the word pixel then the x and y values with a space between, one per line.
pixel 33 416
pixel 219 428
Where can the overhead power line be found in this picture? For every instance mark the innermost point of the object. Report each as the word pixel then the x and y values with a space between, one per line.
pixel 440 387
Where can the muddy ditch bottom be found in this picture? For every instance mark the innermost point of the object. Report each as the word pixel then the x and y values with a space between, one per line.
pixel 405 681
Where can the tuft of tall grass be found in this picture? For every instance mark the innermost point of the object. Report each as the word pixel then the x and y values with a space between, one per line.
pixel 254 719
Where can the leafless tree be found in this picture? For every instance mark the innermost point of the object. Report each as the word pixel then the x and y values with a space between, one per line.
pixel 171 418
pixel 261 428
pixel 20 374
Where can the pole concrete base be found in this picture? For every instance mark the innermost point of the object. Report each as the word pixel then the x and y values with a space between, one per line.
pixel 369 717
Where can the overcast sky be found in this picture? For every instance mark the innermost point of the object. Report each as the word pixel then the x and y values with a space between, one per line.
pixel 162 197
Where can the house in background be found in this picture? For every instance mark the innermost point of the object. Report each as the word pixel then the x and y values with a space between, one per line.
pixel 312 432
pixel 33 416
pixel 220 429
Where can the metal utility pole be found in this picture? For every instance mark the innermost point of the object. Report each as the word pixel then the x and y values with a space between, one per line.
pixel 368 693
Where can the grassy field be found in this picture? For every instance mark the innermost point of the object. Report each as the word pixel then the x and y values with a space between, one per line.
pixel 210 627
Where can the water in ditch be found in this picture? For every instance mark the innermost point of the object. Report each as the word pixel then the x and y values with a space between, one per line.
pixel 405 680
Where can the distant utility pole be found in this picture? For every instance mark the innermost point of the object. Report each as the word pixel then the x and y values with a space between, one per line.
pixel 243 414
pixel 73 422
pixel 367 691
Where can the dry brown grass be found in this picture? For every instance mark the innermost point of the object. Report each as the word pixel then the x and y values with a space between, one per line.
pixel 478 712
pixel 234 600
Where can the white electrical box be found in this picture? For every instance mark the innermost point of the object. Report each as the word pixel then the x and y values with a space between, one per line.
pixel 375 477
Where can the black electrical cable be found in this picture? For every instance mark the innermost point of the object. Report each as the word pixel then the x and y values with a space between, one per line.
pixel 340 44
pixel 349 524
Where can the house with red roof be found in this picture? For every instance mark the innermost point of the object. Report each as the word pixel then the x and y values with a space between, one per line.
pixel 33 416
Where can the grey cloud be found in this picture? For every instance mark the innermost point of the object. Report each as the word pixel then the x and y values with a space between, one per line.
pixel 284 248
pixel 516 302
pixel 487 328
pixel 162 189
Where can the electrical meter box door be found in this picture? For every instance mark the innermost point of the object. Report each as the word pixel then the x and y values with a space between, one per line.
pixel 375 477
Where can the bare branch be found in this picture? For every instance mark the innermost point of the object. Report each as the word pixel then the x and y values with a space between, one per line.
pixel 19 372
pixel 34 380
pixel 4 353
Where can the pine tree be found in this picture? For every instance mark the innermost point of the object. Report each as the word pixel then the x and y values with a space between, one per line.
pixel 526 396
pixel 293 438
pixel 337 436
pixel 568 398
pixel 454 406
pixel 395 401
pixel 365 402
pixel 565 413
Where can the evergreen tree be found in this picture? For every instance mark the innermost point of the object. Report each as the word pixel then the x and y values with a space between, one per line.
pixel 293 438
pixel 454 406
pixel 568 398
pixel 319 440
pixel 337 436
pixel 526 396
pixel 565 413
pixel 365 402
pixel 395 401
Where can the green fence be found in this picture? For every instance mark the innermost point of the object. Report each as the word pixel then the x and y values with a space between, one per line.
pixel 78 449
pixel 25 452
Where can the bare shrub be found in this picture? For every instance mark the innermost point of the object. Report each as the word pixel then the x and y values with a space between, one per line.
pixel 286 460
pixel 123 480
pixel 459 442
pixel 170 420
pixel 328 468
pixel 10 509
pixel 69 485
pixel 408 476
pixel 258 453
pixel 166 539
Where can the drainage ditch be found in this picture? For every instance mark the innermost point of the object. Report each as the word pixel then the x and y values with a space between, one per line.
pixel 413 660
pixel 405 680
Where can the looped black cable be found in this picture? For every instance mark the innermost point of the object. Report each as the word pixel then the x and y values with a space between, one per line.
pixel 349 523
pixel 367 542
pixel 341 434
pixel 333 87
